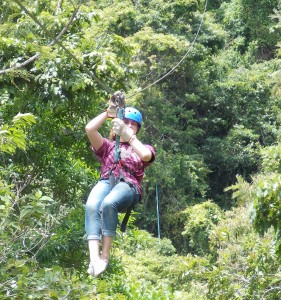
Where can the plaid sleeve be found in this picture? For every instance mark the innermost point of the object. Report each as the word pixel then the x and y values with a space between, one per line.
pixel 147 163
pixel 103 152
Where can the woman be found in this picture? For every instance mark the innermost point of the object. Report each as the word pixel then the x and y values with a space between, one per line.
pixel 107 199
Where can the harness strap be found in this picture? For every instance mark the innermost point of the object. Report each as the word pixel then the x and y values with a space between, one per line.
pixel 115 180
pixel 121 165
pixel 126 218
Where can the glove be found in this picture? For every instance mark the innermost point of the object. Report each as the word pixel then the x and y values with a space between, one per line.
pixel 112 108
pixel 120 128
pixel 116 99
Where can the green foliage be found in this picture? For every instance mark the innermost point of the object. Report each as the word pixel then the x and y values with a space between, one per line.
pixel 257 17
pixel 180 178
pixel 253 21
pixel 246 266
pixel 25 281
pixel 200 220
pixel 66 245
pixel 26 223
pixel 216 115
pixel 271 159
pixel 153 270
pixel 264 193
pixel 13 136
pixel 236 127
pixel 140 240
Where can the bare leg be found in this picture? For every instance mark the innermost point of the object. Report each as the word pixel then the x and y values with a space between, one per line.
pixel 94 249
pixel 106 246
pixel 99 264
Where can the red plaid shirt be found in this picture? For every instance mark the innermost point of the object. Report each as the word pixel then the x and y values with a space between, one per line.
pixel 130 165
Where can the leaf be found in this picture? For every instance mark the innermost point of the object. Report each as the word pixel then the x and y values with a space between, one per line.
pixel 46 198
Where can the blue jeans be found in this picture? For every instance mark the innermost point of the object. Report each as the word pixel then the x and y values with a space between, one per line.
pixel 103 205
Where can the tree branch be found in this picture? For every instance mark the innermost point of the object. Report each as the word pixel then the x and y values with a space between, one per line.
pixel 59 5
pixel 52 43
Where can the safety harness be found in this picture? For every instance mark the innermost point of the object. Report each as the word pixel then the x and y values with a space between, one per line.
pixel 118 162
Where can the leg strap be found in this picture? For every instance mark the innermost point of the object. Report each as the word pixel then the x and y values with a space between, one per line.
pixel 125 219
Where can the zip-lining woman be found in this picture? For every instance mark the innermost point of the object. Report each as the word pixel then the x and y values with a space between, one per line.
pixel 119 187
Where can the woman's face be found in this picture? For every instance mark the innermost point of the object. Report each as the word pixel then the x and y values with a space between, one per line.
pixel 132 124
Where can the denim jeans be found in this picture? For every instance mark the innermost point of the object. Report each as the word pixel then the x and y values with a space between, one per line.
pixel 103 205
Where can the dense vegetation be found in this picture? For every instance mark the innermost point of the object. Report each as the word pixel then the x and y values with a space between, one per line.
pixel 206 76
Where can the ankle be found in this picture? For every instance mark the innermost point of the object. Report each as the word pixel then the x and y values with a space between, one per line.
pixel 94 258
pixel 106 259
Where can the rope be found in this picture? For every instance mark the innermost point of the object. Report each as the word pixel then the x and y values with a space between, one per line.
pixel 182 59
pixel 107 89
pixel 157 209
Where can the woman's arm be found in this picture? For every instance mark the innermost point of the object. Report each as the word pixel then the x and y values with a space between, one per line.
pixel 141 150
pixel 92 130
pixel 128 134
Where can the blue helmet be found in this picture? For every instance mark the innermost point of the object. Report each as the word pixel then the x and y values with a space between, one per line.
pixel 133 114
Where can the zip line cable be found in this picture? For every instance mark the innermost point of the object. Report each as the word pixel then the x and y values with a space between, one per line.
pixel 182 59
pixel 107 89
pixel 35 19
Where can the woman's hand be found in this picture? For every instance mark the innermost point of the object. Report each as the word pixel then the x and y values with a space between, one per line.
pixel 120 128
pixel 117 99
